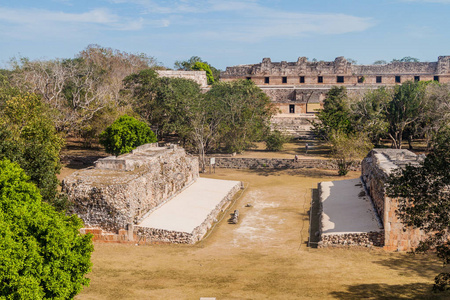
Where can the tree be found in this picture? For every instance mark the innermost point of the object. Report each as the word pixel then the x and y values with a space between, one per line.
pixel 42 253
pixel 380 62
pixel 423 194
pixel 335 115
pixel 275 141
pixel 28 137
pixel 125 134
pixel 406 59
pixel 348 149
pixel 246 112
pixel 200 66
pixel 187 65
pixel 370 113
pixel 405 110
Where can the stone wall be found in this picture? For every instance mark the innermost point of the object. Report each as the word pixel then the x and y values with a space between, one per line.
pixel 197 76
pixel 121 190
pixel 168 236
pixel 375 169
pixel 275 163
pixel 364 239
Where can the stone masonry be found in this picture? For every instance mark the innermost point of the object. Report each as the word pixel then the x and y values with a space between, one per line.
pixel 197 76
pixel 119 191
pixel 299 88
pixel 375 170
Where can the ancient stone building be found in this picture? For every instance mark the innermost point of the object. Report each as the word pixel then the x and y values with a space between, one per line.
pixel 197 76
pixel 375 170
pixel 299 88
pixel 116 198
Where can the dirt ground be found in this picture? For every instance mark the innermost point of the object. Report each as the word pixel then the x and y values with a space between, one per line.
pixel 264 256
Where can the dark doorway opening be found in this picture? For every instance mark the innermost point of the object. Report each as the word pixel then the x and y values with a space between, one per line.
pixel 291 108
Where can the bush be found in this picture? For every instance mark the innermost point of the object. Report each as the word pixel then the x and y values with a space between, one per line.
pixel 275 141
pixel 125 134
pixel 42 253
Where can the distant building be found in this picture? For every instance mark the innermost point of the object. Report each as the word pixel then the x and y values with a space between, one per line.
pixel 299 88
pixel 197 76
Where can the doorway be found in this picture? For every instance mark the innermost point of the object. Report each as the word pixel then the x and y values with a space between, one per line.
pixel 292 108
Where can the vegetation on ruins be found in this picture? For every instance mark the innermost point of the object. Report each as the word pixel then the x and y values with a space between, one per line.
pixel 28 137
pixel 191 64
pixel 406 59
pixel 42 253
pixel 424 200
pixel 125 134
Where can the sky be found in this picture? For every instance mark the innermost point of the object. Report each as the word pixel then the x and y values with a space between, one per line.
pixel 227 33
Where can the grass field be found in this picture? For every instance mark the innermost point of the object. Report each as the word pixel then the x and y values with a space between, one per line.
pixel 264 256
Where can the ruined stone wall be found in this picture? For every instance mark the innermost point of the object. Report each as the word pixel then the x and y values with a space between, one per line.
pixel 121 190
pixel 364 239
pixel 375 170
pixel 197 76
pixel 276 163
pixel 166 236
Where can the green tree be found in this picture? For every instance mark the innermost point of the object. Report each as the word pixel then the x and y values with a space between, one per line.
pixel 348 149
pixel 200 66
pixel 275 141
pixel 28 137
pixel 246 112
pixel 380 62
pixel 187 65
pixel 125 134
pixel 424 198
pixel 406 59
pixel 42 253
pixel 335 115
pixel 405 110
pixel 370 113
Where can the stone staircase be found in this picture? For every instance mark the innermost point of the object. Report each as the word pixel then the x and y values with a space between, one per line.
pixel 295 125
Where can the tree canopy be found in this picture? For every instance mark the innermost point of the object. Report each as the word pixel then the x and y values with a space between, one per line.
pixel 42 253
pixel 28 137
pixel 125 134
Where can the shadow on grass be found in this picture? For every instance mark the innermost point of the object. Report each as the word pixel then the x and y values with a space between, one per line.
pixel 427 266
pixel 386 291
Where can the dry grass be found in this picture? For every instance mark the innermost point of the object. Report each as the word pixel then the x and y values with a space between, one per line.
pixel 264 256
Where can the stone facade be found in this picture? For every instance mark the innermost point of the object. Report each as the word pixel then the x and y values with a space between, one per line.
pixel 364 239
pixel 121 190
pixel 375 170
pixel 299 88
pixel 276 163
pixel 197 76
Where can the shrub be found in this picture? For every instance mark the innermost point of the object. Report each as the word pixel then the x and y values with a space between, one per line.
pixel 125 134
pixel 275 141
pixel 42 253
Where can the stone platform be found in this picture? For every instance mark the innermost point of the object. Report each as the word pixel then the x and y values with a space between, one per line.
pixel 348 216
pixel 187 217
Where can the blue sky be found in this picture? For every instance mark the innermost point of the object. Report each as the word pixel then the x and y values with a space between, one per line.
pixel 227 33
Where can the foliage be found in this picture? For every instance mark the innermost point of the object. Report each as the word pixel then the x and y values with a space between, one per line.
pixel 348 149
pixel 42 253
pixel 200 66
pixel 28 137
pixel 125 134
pixel 335 115
pixel 369 113
pixel 405 110
pixel 188 64
pixel 79 89
pixel 406 59
pixel 423 194
pixel 275 140
pixel 380 62
pixel 246 111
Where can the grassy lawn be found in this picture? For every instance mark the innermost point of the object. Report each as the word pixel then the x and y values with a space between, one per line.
pixel 264 256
